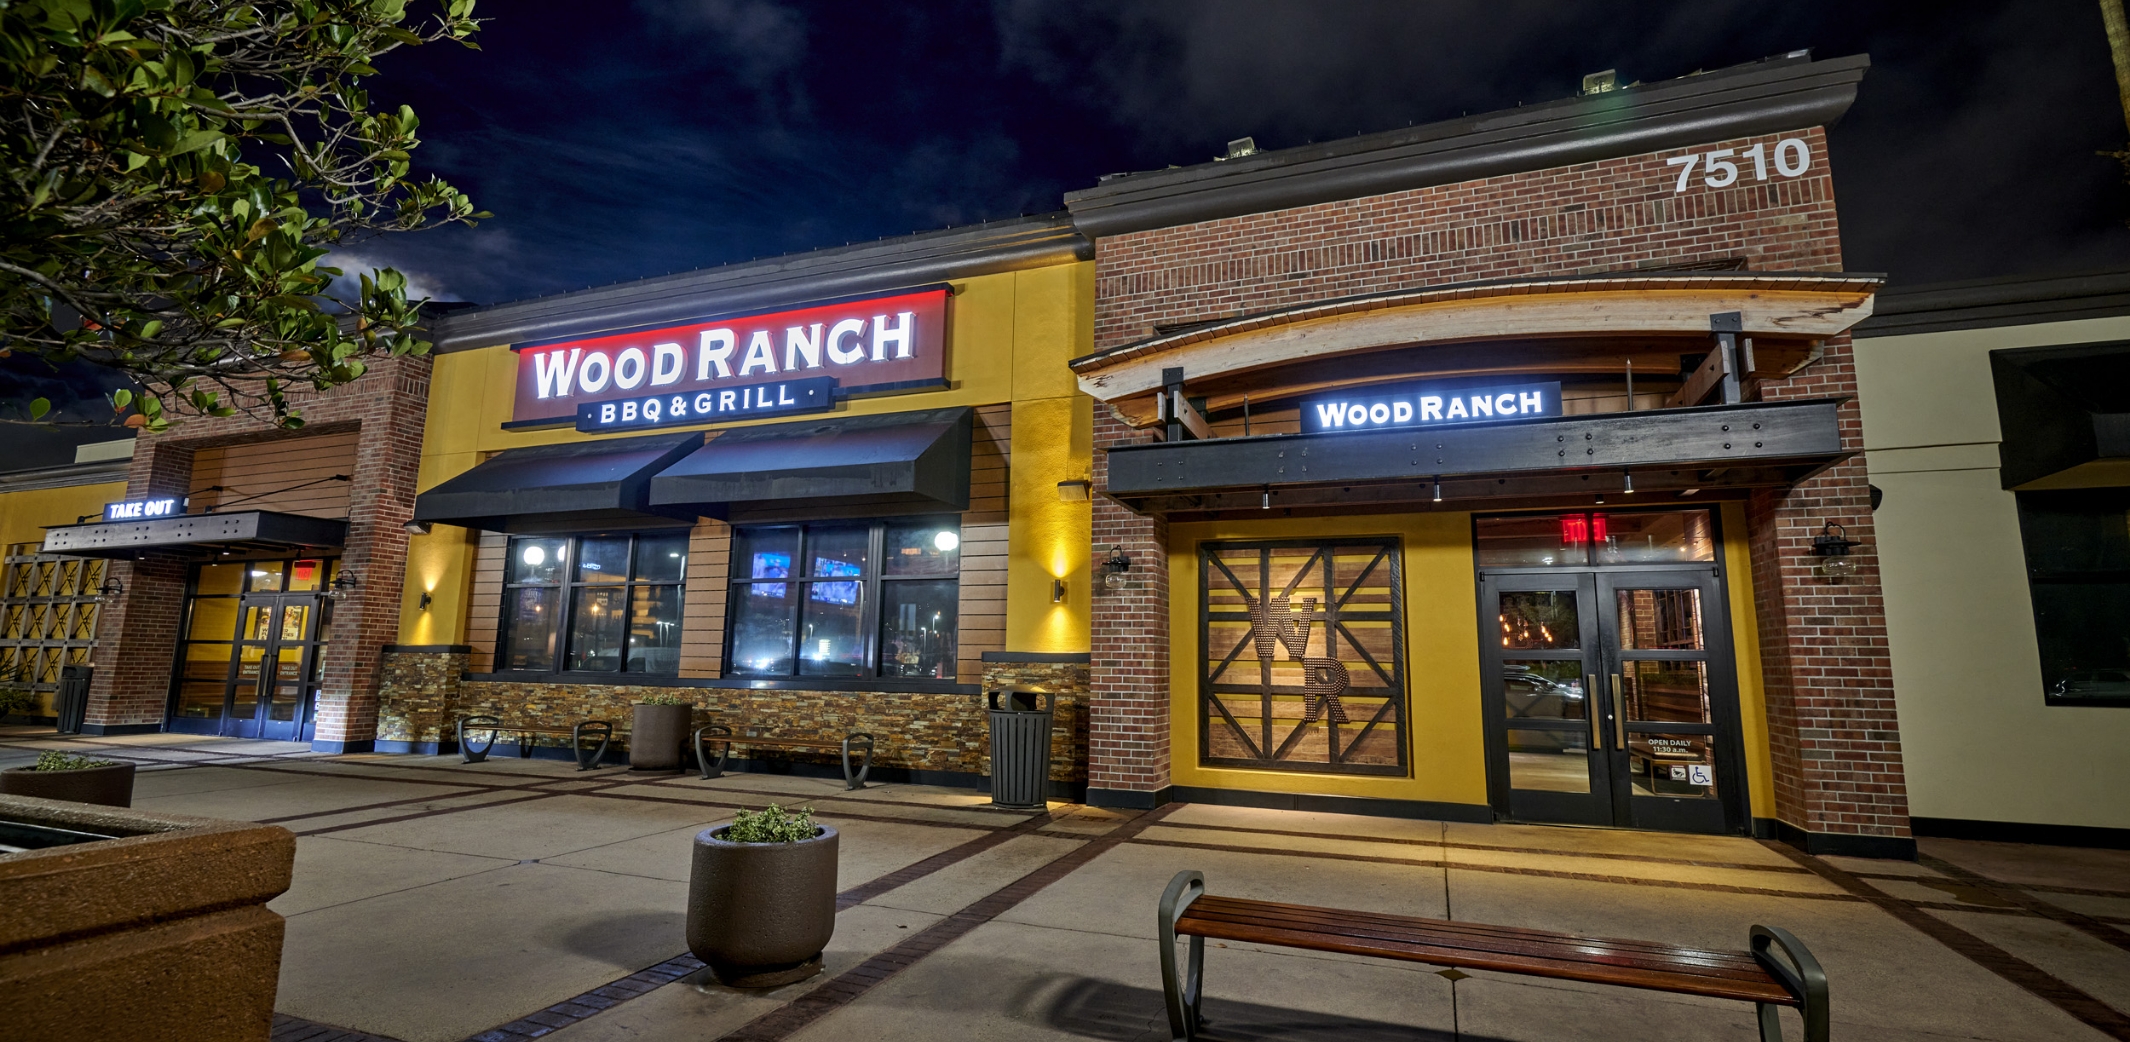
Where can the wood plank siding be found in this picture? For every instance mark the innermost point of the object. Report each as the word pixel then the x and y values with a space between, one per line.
pixel 261 475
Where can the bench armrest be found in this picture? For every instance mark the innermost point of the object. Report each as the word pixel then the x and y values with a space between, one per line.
pixel 1181 986
pixel 1801 976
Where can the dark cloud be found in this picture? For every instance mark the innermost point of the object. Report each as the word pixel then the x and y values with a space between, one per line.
pixel 620 141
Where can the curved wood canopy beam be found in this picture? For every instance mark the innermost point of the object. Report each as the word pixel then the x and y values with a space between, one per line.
pixel 1803 305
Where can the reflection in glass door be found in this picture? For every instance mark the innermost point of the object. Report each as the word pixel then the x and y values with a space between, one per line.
pixel 253 650
pixel 1610 691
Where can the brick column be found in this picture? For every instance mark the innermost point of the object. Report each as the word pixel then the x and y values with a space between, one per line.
pixel 1128 724
pixel 380 503
pixel 136 633
pixel 1833 734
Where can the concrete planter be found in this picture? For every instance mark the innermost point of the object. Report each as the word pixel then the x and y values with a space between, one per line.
pixel 159 931
pixel 107 786
pixel 657 735
pixel 760 913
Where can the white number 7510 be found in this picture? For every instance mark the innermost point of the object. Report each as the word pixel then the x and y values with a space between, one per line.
pixel 1792 158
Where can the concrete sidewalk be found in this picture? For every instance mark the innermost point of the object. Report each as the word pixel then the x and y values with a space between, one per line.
pixel 436 901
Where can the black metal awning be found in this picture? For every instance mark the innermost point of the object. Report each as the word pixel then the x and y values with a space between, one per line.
pixel 200 535
pixel 1759 445
pixel 894 461
pixel 552 487
pixel 2065 414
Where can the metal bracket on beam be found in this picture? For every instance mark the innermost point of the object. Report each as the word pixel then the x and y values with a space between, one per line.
pixel 1727 326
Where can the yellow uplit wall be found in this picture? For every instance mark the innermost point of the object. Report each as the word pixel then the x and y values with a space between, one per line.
pixel 1447 729
pixel 1977 741
pixel 24 514
pixel 1448 750
pixel 1009 337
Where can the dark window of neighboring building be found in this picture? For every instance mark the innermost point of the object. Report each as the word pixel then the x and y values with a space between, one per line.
pixel 594 604
pixel 845 599
pixel 2078 570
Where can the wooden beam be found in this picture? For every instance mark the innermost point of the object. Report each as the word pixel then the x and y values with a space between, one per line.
pixel 1315 334
pixel 1704 380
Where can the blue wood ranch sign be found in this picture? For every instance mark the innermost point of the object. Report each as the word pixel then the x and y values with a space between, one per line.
pixel 1424 405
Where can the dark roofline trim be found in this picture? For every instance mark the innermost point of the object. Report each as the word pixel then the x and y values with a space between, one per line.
pixel 2010 301
pixel 734 316
pixel 1786 93
pixel 776 283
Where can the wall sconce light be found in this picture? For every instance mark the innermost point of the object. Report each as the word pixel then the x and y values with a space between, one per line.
pixel 111 590
pixel 1114 568
pixel 426 599
pixel 417 527
pixel 341 584
pixel 1831 546
pixel 1077 490
pixel 1057 591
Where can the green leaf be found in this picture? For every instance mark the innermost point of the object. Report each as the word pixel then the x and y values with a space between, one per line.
pixel 120 399
pixel 39 406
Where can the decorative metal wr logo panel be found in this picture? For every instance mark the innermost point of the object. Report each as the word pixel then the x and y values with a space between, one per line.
pixel 1304 652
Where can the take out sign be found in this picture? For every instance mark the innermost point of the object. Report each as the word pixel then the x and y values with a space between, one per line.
pixel 867 346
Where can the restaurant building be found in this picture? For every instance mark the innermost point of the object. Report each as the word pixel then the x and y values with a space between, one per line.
pixel 1507 468
pixel 813 496
pixel 1474 471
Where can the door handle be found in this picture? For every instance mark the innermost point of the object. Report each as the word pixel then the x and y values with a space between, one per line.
pixel 1590 709
pixel 1619 713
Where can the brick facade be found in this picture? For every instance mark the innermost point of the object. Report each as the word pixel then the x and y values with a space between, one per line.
pixel 1835 740
pixel 137 636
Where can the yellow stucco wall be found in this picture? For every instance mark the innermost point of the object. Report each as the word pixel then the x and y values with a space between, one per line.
pixel 1448 735
pixel 1976 738
pixel 1009 338
pixel 24 514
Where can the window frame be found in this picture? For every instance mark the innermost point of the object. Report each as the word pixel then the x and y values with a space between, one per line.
pixel 561 631
pixel 870 598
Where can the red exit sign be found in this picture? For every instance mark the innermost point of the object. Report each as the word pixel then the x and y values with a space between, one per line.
pixel 867 346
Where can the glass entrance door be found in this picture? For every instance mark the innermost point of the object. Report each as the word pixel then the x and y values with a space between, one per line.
pixel 274 674
pixel 1610 691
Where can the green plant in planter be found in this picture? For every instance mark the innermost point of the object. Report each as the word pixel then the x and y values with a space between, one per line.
pixel 772 825
pixel 15 700
pixel 663 700
pixel 54 760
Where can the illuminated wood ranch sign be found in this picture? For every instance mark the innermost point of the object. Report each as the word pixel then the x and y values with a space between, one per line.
pixel 741 367
pixel 1420 405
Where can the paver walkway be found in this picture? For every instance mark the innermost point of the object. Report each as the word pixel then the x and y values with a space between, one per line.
pixel 436 901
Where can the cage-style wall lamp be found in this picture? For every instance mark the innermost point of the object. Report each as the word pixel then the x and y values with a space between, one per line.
pixel 341 584
pixel 1114 568
pixel 1831 546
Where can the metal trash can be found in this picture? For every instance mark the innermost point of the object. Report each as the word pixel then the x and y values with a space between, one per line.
pixel 1020 748
pixel 71 703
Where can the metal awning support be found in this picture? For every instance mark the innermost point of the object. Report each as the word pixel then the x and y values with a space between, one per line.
pixel 1773 444
pixel 902 462
pixel 552 487
pixel 200 535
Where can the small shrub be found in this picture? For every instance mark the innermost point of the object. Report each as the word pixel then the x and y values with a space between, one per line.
pixel 15 700
pixel 663 700
pixel 772 825
pixel 54 760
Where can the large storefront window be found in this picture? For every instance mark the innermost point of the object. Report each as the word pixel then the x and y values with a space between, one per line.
pixel 2078 571
pixel 846 599
pixel 1304 656
pixel 594 604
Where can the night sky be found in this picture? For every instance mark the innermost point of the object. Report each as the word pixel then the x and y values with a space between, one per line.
pixel 617 141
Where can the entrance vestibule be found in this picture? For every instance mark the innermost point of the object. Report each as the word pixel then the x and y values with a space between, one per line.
pixel 1609 687
pixel 254 648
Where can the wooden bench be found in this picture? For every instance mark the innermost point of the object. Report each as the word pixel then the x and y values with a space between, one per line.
pixel 495 727
pixel 717 734
pixel 1754 976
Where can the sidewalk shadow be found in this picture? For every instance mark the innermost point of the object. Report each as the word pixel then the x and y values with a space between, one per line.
pixel 1114 1012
